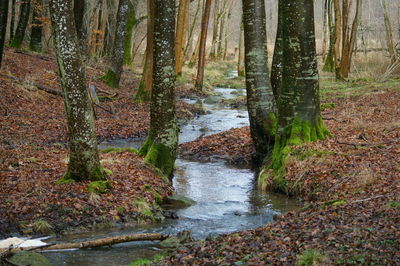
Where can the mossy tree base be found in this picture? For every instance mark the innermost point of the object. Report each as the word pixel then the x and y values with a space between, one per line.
pixel 110 79
pixel 159 155
pixel 272 177
pixel 99 174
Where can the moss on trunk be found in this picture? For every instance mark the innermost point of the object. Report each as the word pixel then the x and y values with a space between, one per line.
pixel 272 177
pixel 110 79
pixel 142 95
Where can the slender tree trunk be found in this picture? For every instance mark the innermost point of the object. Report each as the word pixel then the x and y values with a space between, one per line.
pixel 325 29
pixel 145 87
pixel 389 34
pixel 181 26
pixel 3 26
pixel 12 21
pixel 131 25
pixel 195 53
pixel 22 24
pixel 84 163
pixel 260 98
pixel 338 28
pixel 298 105
pixel 222 20
pixel 329 64
pixel 113 75
pixel 276 69
pixel 240 64
pixel 202 48
pixel 215 30
pixel 79 14
pixel 162 142
pixel 36 30
pixel 191 30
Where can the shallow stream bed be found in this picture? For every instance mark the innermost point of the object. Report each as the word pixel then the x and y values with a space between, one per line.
pixel 226 197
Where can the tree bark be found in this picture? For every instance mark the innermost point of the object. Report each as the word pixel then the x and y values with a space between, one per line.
pixel 240 64
pixel 79 14
pixel 389 34
pixel 22 24
pixel 131 25
pixel 329 64
pixel 191 30
pixel 260 98
pixel 36 30
pixel 202 48
pixel 145 87
pixel 337 34
pixel 299 104
pixel 12 21
pixel 84 163
pixel 181 26
pixel 162 141
pixel 3 26
pixel 276 69
pixel 215 30
pixel 113 75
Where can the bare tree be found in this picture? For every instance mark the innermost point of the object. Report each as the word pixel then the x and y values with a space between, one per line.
pixel 3 26
pixel 36 30
pixel 181 26
pixel 22 24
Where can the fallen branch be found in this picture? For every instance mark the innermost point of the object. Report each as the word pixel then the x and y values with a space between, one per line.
pixel 107 241
pixel 367 199
pixel 33 55
pixel 38 86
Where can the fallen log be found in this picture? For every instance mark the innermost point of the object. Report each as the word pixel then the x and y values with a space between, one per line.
pixel 106 241
pixel 38 86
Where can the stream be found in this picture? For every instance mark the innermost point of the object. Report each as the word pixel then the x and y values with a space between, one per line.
pixel 226 197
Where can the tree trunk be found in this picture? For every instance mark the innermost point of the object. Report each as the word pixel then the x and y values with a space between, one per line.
pixel 36 30
pixel 389 34
pixel 22 24
pixel 325 29
pixel 162 142
pixel 191 30
pixel 145 87
pixel 260 98
pixel 12 21
pixel 202 48
pixel 222 24
pixel 181 26
pixel 3 26
pixel 337 34
pixel 79 14
pixel 240 64
pixel 113 75
pixel 215 30
pixel 349 37
pixel 131 24
pixel 298 105
pixel 329 64
pixel 276 69
pixel 195 53
pixel 84 163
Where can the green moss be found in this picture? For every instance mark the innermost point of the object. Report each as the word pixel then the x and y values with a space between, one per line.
pixel 335 202
pixel 325 106
pixel 119 150
pixel 108 172
pixel 105 98
pixel 161 157
pixel 110 79
pixel 66 180
pixel 271 124
pixel 14 43
pixel 99 186
pixel 394 204
pixel 142 95
pixel 144 209
pixel 120 210
pixel 295 134
pixel 144 262
pixel 42 227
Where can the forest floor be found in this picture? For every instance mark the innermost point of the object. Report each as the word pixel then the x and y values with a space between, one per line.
pixel 34 153
pixel 350 185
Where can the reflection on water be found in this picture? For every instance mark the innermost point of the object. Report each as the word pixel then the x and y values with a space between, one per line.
pixel 226 197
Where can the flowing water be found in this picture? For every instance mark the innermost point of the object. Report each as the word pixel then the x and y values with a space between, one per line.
pixel 226 197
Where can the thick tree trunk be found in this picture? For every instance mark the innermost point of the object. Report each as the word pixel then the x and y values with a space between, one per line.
pixel 181 26
pixel 12 20
pixel 145 87
pixel 162 142
pixel 131 24
pixel 36 30
pixel 202 48
pixel 3 26
pixel 113 75
pixel 298 105
pixel 84 163
pixel 22 24
pixel 260 98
